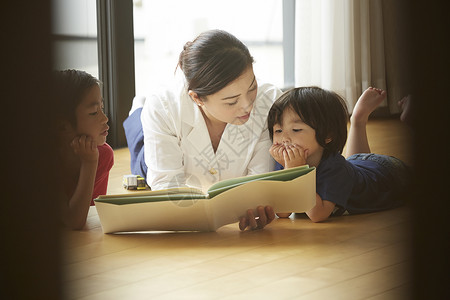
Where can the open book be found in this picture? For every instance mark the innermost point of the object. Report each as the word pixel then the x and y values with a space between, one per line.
pixel 188 209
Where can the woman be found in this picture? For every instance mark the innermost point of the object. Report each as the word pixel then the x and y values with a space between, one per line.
pixel 210 126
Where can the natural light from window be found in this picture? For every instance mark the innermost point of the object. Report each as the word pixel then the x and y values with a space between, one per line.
pixel 161 28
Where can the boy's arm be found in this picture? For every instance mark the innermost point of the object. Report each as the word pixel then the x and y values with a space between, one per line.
pixel 288 157
pixel 294 156
pixel 321 211
pixel 76 209
pixel 276 151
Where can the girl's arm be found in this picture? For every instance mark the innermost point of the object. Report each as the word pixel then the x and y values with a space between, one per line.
pixel 75 211
pixel 321 211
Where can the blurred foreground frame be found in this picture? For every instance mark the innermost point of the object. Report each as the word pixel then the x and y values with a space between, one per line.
pixel 30 254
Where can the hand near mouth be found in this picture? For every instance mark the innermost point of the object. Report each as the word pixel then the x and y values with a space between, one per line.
pixel 294 156
pixel 276 151
pixel 289 155
pixel 86 148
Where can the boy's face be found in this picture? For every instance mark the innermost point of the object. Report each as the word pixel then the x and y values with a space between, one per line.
pixel 294 131
pixel 91 120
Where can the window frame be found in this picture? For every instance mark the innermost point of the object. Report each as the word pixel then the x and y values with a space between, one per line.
pixel 116 63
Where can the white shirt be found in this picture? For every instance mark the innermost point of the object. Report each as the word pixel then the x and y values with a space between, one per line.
pixel 178 150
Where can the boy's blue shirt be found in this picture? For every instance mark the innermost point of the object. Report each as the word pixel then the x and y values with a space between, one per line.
pixel 358 186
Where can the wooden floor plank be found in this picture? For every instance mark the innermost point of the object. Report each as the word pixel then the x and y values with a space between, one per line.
pixel 363 286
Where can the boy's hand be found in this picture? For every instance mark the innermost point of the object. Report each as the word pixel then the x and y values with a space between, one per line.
pixel 85 147
pixel 294 156
pixel 276 151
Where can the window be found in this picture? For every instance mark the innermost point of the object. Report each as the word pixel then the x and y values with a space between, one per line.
pixel 161 28
pixel 74 28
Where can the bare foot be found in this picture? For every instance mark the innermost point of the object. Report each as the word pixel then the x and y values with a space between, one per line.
pixel 405 105
pixel 366 104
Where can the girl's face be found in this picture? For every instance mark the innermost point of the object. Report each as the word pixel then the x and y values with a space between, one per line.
pixel 232 104
pixel 91 120
pixel 294 131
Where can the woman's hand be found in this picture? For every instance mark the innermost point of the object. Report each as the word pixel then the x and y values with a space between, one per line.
pixel 294 156
pixel 85 147
pixel 265 215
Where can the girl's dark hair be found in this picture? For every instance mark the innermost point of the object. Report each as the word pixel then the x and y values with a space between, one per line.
pixel 324 111
pixel 213 60
pixel 70 88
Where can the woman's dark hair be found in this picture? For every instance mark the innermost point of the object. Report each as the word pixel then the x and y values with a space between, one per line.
pixel 324 111
pixel 70 88
pixel 213 60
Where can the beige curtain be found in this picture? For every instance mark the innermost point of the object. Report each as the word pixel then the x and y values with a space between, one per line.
pixel 397 52
pixel 341 45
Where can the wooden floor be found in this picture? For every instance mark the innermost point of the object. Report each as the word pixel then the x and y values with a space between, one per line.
pixel 350 257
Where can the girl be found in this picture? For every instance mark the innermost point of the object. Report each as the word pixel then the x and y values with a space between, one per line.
pixel 209 125
pixel 309 126
pixel 84 156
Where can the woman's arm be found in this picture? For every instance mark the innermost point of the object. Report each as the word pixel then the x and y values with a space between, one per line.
pixel 162 150
pixel 261 161
pixel 321 211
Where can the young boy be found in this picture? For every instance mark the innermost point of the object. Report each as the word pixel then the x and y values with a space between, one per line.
pixel 309 126
pixel 84 156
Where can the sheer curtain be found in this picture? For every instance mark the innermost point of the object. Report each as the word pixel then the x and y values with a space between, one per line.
pixel 340 46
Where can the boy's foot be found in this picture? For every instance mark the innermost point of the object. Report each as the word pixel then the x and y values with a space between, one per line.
pixel 405 105
pixel 366 104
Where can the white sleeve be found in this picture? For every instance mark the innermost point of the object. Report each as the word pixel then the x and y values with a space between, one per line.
pixel 162 151
pixel 262 161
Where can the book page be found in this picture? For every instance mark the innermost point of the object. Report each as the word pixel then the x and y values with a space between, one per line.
pixel 171 191
pixel 189 215
pixel 297 195
pixel 280 175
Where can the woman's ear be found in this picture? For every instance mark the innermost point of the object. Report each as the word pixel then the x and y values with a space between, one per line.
pixel 327 140
pixel 194 96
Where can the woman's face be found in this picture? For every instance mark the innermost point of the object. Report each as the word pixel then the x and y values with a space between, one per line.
pixel 232 104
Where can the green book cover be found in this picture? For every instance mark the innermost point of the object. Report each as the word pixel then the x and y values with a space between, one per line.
pixel 179 194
